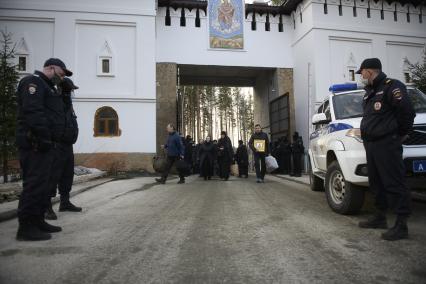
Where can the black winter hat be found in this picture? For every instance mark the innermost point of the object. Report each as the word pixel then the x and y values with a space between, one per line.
pixel 58 62
pixel 370 63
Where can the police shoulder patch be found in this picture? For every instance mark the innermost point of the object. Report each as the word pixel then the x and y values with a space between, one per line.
pixel 32 88
pixel 377 106
pixel 397 93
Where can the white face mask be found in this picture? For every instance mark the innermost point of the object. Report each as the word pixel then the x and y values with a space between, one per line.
pixel 363 82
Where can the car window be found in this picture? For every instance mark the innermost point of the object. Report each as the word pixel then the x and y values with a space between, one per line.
pixel 418 99
pixel 348 105
pixel 327 110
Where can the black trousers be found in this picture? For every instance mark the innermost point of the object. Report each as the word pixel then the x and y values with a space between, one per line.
pixel 169 164
pixel 207 168
pixel 285 163
pixel 243 169
pixel 224 167
pixel 386 175
pixel 260 165
pixel 297 164
pixel 36 170
pixel 62 172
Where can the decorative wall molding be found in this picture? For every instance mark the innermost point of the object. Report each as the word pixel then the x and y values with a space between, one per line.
pixel 105 23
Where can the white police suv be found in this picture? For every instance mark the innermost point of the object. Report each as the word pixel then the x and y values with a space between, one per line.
pixel 336 152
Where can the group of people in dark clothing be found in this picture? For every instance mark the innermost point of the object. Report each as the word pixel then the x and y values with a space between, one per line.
pixel 208 158
pixel 211 158
pixel 289 155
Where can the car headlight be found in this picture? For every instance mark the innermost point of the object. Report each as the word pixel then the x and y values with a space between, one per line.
pixel 355 133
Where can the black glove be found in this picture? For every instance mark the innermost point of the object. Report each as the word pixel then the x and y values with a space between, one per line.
pixel 67 86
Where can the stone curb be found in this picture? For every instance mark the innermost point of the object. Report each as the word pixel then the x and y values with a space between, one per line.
pixel 292 179
pixel 12 213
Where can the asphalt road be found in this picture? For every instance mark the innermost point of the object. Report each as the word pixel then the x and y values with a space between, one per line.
pixel 212 232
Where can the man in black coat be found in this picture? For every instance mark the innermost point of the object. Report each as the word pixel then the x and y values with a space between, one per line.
pixel 241 157
pixel 225 155
pixel 298 150
pixel 63 168
pixel 40 126
pixel 207 154
pixel 386 123
pixel 284 156
pixel 259 144
pixel 188 144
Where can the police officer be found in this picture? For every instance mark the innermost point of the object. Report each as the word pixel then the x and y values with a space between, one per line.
pixel 40 125
pixel 386 123
pixel 63 168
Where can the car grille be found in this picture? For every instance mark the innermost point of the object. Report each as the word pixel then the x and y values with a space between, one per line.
pixel 417 136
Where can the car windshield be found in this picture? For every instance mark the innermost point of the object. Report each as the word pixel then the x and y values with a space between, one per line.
pixel 348 105
pixel 418 99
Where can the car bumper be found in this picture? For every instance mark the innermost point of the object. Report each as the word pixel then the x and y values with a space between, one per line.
pixel 353 165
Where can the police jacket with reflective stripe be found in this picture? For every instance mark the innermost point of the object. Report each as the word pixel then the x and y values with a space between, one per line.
pixel 40 109
pixel 387 109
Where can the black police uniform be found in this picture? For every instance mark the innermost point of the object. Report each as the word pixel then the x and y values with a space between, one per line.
pixel 40 124
pixel 388 116
pixel 63 169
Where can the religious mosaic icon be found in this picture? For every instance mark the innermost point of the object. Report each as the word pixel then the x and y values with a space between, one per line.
pixel 226 24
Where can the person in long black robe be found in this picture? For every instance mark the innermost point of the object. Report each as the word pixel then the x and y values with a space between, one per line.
pixel 241 157
pixel 225 155
pixel 207 154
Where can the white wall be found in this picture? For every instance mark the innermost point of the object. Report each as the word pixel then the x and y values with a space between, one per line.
pixel 75 32
pixel 137 122
pixel 333 43
pixel 190 45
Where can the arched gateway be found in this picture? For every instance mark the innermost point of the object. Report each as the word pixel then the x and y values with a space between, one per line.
pixel 131 56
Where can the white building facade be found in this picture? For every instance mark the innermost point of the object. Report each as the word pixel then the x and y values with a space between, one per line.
pixel 115 49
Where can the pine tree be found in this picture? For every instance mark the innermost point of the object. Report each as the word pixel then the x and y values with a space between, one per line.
pixel 418 73
pixel 8 82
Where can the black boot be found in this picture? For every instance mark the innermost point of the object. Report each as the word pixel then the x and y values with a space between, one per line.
pixel 46 227
pixel 181 181
pixel 160 180
pixel 398 232
pixel 28 230
pixel 66 205
pixel 378 221
pixel 50 214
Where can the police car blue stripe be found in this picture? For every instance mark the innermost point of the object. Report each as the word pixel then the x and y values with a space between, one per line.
pixel 314 135
pixel 332 127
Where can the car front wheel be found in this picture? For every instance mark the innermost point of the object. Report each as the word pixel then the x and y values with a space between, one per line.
pixel 343 197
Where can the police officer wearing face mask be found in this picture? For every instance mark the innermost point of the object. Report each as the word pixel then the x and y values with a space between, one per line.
pixel 63 169
pixel 386 123
pixel 40 125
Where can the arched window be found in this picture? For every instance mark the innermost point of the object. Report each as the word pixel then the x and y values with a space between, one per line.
pixel 106 123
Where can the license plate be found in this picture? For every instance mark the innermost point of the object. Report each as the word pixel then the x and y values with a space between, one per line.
pixel 419 166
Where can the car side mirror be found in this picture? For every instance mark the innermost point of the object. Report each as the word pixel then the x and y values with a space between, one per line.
pixel 320 118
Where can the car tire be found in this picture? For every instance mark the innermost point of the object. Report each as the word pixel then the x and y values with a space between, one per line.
pixel 343 197
pixel 316 183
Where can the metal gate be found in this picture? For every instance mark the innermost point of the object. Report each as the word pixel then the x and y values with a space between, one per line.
pixel 279 117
